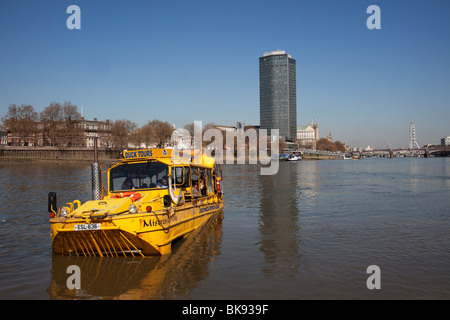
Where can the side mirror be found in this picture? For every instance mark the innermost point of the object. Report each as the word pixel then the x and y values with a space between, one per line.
pixel 167 201
pixel 52 207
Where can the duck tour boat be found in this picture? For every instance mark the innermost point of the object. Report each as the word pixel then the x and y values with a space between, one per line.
pixel 153 197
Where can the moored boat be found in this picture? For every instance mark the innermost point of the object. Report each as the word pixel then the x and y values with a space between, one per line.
pixel 152 198
pixel 294 157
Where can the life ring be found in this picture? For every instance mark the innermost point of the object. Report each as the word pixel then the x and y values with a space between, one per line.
pixel 129 194
pixel 219 189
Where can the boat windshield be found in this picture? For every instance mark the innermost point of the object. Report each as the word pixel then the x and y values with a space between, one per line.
pixel 141 175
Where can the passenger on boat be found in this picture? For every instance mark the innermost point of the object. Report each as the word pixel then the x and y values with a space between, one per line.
pixel 128 183
pixel 195 192
pixel 163 183
pixel 202 186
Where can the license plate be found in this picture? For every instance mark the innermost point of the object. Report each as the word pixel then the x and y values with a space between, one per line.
pixel 87 226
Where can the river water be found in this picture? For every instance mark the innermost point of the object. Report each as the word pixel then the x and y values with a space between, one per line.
pixel 308 232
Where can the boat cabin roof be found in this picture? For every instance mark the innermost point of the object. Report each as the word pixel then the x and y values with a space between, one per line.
pixel 168 156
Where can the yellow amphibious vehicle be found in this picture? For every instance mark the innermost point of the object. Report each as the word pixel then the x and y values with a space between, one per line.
pixel 153 197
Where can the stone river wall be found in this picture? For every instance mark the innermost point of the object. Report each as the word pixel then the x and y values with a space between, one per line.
pixel 38 153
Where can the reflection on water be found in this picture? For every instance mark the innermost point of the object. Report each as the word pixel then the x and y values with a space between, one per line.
pixel 308 232
pixel 312 230
pixel 278 223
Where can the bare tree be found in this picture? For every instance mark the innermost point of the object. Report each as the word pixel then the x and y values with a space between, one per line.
pixel 121 131
pixel 324 144
pixel 70 111
pixel 145 135
pixel 155 133
pixel 22 122
pixel 340 146
pixel 73 132
pixel 162 131
pixel 190 128
pixel 52 118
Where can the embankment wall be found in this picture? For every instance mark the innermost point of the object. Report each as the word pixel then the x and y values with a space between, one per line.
pixel 49 153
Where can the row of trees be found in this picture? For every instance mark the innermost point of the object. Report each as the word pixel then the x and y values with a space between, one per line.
pixel 61 124
pixel 57 124
pixel 154 133
pixel 325 144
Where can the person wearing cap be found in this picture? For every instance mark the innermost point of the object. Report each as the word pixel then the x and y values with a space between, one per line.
pixel 128 183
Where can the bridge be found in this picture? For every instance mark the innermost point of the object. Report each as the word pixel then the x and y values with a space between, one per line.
pixel 413 151
pixel 320 152
pixel 431 151
pixel 314 152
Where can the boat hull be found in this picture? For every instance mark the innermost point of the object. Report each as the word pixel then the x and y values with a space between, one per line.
pixel 140 234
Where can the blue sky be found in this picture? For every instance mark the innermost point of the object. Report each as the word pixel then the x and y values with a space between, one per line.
pixel 182 61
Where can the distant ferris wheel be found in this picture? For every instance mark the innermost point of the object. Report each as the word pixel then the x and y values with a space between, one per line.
pixel 412 137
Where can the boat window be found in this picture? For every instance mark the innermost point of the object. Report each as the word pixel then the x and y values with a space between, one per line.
pixel 140 175
pixel 197 175
pixel 181 176
pixel 202 179
pixel 218 170
pixel 178 176
pixel 214 178
pixel 194 174
pixel 187 176
pixel 209 181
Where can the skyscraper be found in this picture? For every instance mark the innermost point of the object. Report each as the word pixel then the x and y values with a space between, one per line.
pixel 277 93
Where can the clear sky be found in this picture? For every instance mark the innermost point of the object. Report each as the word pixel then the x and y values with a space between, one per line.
pixel 181 61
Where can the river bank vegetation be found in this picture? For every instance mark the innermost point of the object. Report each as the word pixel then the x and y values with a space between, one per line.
pixel 62 125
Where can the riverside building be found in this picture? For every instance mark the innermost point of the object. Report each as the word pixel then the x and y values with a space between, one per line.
pixel 307 136
pixel 277 92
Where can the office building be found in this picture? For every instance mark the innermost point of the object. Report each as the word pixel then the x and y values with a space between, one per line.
pixel 277 92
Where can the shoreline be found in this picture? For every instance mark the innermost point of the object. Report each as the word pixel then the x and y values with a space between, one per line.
pixel 108 155
pixel 102 160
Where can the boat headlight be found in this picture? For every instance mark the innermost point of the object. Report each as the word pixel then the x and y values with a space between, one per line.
pixel 132 208
pixel 63 212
